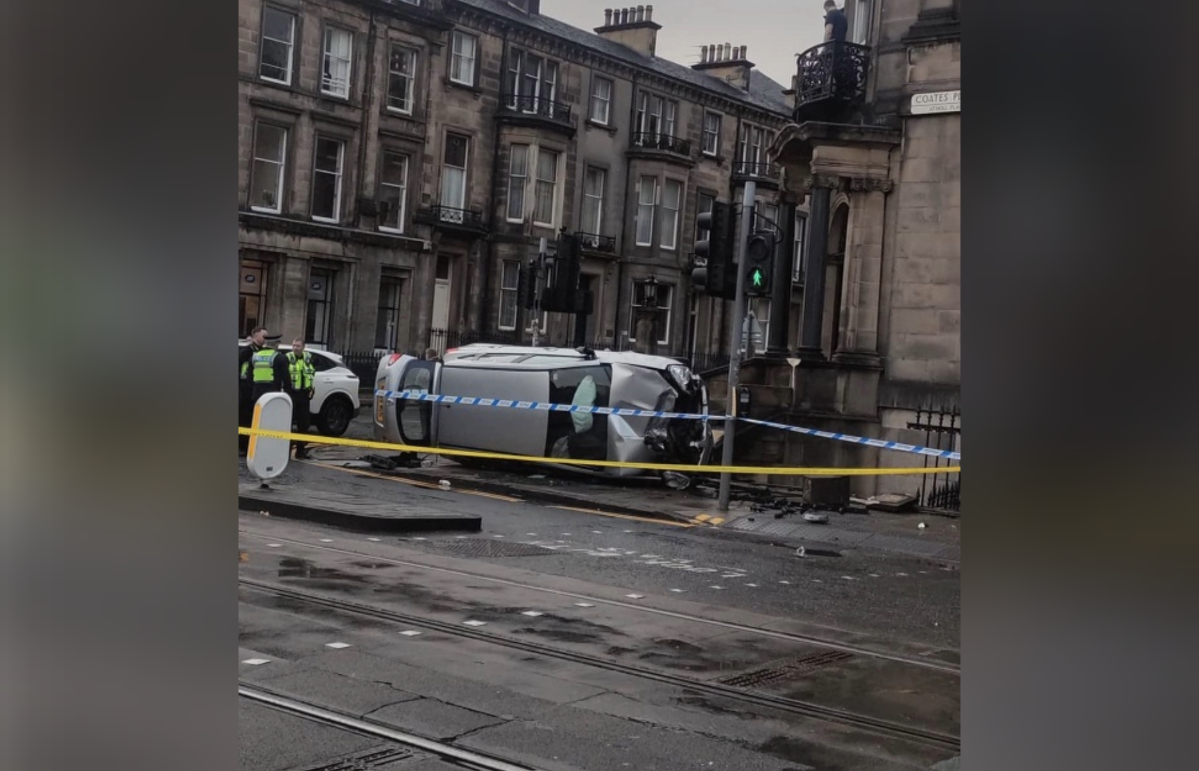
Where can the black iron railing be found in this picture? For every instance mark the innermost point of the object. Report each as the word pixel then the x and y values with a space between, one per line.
pixel 537 106
pixel 653 140
pixel 755 169
pixel 597 243
pixel 942 429
pixel 832 78
pixel 449 216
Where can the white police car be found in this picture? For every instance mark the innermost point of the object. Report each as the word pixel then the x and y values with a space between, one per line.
pixel 335 391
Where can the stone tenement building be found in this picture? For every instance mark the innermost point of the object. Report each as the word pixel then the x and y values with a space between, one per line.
pixel 873 155
pixel 399 160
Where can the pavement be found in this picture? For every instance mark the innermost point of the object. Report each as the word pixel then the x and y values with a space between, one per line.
pixel 303 493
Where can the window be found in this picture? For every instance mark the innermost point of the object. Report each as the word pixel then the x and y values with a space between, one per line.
pixel 393 189
pixel 645 211
pixel 335 69
pixel 797 264
pixel 266 183
pixel 704 204
pixel 531 81
pixel 752 145
pixel 601 100
pixel 655 298
pixel 278 45
pixel 518 179
pixel 387 323
pixel 547 177
pixel 711 133
pixel 672 196
pixel 326 179
pixel 462 59
pixel 861 22
pixel 251 296
pixel 401 76
pixel 593 200
pixel 770 212
pixel 509 291
pixel 453 172
pixel 320 306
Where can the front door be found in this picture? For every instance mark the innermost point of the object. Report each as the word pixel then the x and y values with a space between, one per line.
pixel 441 305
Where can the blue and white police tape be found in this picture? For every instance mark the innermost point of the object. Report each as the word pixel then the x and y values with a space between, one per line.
pixel 478 401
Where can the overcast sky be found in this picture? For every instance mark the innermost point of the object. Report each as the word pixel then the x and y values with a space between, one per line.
pixel 774 30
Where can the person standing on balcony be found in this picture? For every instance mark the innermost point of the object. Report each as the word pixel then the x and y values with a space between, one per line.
pixel 835 24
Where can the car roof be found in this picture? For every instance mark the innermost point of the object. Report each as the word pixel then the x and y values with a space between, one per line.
pixel 526 355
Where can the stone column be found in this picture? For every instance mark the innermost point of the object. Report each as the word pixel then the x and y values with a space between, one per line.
pixel 780 296
pixel 863 265
pixel 816 249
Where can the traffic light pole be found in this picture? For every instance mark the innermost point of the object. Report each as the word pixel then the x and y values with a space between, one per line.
pixel 541 276
pixel 735 330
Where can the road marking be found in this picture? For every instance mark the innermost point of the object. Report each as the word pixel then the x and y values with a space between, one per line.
pixel 753 585
pixel 584 605
pixel 376 540
pixel 499 536
pixel 337 645
pixel 256 662
pixel 472 622
pixel 614 515
pixel 677 591
pixel 716 587
pixel 598 532
pixel 716 521
pixel 326 540
pixel 785 582
pixel 410 633
pixel 703 517
pixel 849 578
pixel 533 613
pixel 274 545
pixel 532 534
pixel 635 596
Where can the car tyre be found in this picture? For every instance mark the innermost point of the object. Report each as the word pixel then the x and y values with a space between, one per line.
pixel 335 416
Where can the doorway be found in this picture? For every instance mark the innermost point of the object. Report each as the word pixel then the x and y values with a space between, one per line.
pixel 440 322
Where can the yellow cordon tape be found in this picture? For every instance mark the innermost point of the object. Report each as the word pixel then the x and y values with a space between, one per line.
pixel 680 467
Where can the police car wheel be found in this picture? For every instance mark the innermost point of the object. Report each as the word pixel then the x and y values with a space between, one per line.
pixel 334 417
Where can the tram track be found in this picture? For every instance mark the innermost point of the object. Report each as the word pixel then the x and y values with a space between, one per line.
pixel 802 639
pixel 467 759
pixel 845 718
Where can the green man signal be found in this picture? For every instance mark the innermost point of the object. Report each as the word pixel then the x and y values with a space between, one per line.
pixel 759 263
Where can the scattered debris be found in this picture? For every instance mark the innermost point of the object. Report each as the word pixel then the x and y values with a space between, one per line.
pixel 891 502
pixel 380 462
pixel 800 552
pixel 444 484
pixel 676 481
pixel 816 517
pixel 922 526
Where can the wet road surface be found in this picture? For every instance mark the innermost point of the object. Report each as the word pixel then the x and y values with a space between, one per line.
pixel 554 639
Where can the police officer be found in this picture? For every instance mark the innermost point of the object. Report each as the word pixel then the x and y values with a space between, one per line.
pixel 245 385
pixel 268 373
pixel 300 371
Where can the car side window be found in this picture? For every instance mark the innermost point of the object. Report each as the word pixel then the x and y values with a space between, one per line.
pixel 322 363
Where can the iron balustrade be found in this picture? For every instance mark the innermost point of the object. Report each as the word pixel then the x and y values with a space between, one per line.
pixel 449 215
pixel 537 106
pixel 596 242
pixel 655 140
pixel 756 169
pixel 831 77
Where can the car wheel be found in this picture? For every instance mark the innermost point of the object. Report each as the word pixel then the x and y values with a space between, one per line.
pixel 335 416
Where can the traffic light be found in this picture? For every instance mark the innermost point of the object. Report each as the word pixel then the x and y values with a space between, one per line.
pixel 759 263
pixel 718 278
pixel 562 295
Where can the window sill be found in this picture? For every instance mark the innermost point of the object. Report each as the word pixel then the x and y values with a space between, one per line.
pixel 391 231
pixel 325 220
pixel 591 124
pixel 398 113
pixel 476 90
pixel 263 210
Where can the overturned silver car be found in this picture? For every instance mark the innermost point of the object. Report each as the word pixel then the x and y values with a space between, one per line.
pixel 582 378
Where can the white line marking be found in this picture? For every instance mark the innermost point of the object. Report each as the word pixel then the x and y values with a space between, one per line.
pixel 785 582
pixel 420 539
pixel 533 613
pixel 753 585
pixel 584 605
pixel 902 575
pixel 635 596
pixel 256 662
pixel 499 536
pixel 337 645
pixel 274 545
pixel 598 532
pixel 472 622
pixel 849 578
pixel 326 540
pixel 677 591
pixel 410 633
pixel 373 539
pixel 715 587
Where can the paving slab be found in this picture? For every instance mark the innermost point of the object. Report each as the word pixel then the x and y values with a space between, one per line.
pixel 311 503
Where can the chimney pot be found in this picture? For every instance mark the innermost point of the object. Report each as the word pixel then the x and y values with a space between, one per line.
pixel 744 50
pixel 607 17
pixel 624 15
pixel 641 13
pixel 728 52
pixel 649 13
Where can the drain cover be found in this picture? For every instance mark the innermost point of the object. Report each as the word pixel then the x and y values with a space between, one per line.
pixel 365 761
pixel 786 670
pixel 483 547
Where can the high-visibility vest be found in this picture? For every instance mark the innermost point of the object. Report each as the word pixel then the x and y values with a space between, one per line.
pixel 262 364
pixel 301 370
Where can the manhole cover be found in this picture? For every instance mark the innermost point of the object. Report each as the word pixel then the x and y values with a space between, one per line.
pixel 786 669
pixel 483 547
pixel 365 761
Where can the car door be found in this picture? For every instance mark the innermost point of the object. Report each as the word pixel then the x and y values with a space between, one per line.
pixel 414 416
